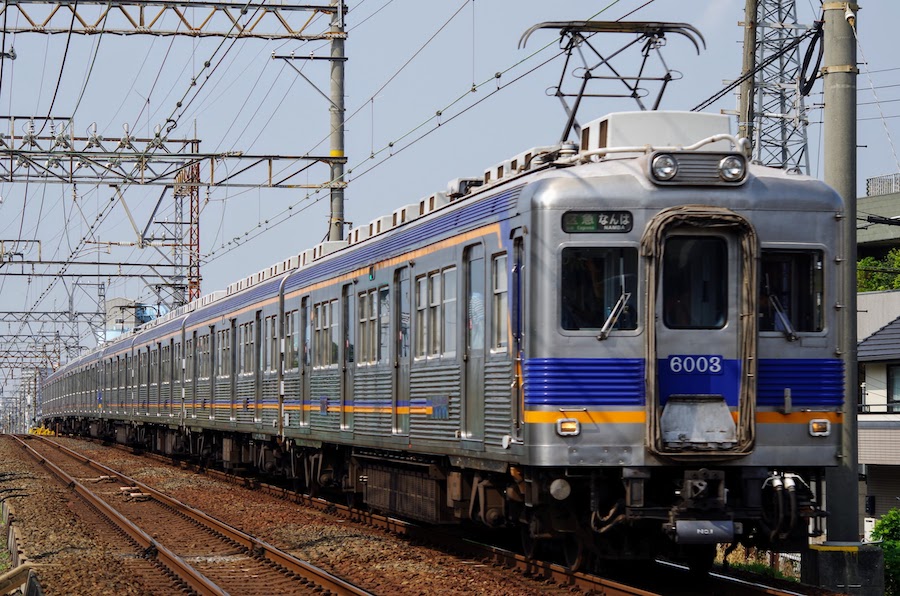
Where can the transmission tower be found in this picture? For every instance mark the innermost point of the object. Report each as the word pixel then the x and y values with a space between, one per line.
pixel 772 111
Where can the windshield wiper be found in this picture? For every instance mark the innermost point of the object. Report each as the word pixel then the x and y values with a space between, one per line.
pixel 614 315
pixel 782 318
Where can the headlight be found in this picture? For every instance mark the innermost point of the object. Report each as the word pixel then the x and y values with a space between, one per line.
pixel 567 427
pixel 732 168
pixel 664 167
pixel 819 428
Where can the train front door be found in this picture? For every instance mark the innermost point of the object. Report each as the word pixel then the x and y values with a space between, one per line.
pixel 702 345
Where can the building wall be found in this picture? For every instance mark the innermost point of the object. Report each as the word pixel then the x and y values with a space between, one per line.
pixel 887 205
pixel 880 446
pixel 875 392
pixel 875 310
pixel 884 485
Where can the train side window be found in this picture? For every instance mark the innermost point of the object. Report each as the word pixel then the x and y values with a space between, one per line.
pixel 154 367
pixel 204 355
pixel 421 319
pixel 367 309
pixel 270 343
pixel 404 304
pixel 246 347
pixel 325 329
pixel 165 363
pixel 791 289
pixel 499 304
pixel 448 311
pixel 594 279
pixel 307 316
pixel 291 341
pixel 189 359
pixel 695 282
pixel 384 323
pixel 435 322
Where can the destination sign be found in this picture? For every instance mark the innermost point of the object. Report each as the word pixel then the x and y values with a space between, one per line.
pixel 588 222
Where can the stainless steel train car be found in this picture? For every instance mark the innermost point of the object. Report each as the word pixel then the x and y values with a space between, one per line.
pixel 625 346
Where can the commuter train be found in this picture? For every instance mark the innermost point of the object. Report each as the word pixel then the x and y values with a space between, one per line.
pixel 624 346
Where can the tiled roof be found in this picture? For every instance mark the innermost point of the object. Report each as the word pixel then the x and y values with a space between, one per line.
pixel 884 344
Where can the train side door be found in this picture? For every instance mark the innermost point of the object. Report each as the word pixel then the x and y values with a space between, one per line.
pixel 348 360
pixel 703 348
pixel 474 310
pixel 305 360
pixel 402 350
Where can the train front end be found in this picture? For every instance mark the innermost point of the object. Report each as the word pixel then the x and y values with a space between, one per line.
pixel 683 384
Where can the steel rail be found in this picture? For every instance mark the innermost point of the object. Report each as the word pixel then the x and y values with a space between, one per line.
pixel 193 578
pixel 321 577
pixel 500 557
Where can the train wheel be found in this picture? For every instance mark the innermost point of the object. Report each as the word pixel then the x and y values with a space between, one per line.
pixel 573 549
pixel 530 544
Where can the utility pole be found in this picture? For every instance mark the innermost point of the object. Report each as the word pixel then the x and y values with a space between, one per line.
pixel 745 116
pixel 336 221
pixel 839 73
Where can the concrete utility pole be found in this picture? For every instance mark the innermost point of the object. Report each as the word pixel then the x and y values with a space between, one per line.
pixel 746 116
pixel 336 221
pixel 839 73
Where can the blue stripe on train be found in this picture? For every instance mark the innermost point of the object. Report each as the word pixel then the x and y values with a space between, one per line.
pixel 584 381
pixel 724 381
pixel 620 381
pixel 813 382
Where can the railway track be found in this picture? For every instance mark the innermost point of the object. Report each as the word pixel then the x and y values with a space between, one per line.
pixel 663 578
pixel 187 549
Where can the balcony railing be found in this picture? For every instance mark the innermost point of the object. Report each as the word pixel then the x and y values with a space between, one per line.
pixel 889 408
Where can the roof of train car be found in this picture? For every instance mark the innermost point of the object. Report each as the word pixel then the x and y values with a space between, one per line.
pixel 543 184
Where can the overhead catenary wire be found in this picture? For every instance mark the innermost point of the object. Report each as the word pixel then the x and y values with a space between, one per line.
pixel 108 206
pixel 392 147
pixel 887 130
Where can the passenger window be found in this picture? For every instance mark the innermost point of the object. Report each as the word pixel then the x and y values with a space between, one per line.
pixel 791 290
pixel 695 282
pixel 499 304
pixel 593 281
pixel 384 318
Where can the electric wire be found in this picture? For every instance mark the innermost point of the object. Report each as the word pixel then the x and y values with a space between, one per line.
pixel 101 216
pixel 389 147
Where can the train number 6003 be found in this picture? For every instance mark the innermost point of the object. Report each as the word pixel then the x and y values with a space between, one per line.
pixel 695 364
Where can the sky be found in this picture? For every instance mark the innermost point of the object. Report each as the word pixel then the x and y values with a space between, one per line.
pixel 407 61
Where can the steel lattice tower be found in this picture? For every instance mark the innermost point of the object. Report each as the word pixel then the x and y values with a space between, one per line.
pixel 779 115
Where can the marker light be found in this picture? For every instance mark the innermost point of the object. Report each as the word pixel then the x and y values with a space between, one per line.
pixel 732 168
pixel 664 167
pixel 567 427
pixel 819 427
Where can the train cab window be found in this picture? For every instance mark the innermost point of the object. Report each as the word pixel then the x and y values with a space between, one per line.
pixel 695 282
pixel 594 281
pixel 790 293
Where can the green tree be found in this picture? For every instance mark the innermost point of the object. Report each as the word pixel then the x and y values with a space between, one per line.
pixel 887 529
pixel 873 275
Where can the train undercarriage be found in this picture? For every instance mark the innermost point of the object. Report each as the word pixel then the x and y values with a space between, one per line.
pixel 581 516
